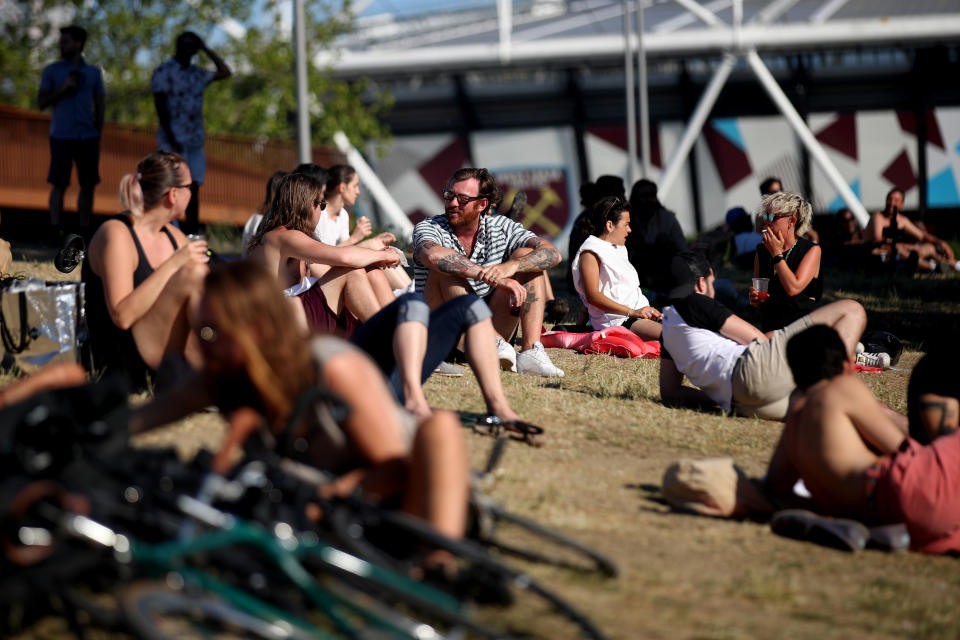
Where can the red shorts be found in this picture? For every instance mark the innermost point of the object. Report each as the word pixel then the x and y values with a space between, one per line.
pixel 322 319
pixel 920 486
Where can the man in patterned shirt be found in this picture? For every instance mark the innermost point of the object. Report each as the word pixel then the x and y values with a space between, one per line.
pixel 178 88
pixel 467 250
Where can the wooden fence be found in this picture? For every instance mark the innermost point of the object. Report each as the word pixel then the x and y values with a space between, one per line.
pixel 237 166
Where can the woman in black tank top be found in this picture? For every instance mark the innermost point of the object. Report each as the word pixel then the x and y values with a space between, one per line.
pixel 143 275
pixel 789 261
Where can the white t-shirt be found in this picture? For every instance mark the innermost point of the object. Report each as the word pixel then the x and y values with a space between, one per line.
pixel 618 281
pixel 333 232
pixel 704 356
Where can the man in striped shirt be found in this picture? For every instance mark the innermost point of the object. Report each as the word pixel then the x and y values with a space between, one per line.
pixel 467 250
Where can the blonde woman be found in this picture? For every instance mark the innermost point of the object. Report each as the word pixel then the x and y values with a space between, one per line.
pixel 142 274
pixel 789 260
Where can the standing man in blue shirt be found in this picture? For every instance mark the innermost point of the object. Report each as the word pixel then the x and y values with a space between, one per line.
pixel 178 88
pixel 75 91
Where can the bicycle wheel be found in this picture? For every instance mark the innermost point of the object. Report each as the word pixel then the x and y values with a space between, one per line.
pixel 526 539
pixel 156 612
pixel 481 567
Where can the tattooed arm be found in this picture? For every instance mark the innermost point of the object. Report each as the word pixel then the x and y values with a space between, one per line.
pixel 543 256
pixel 438 258
pixel 537 255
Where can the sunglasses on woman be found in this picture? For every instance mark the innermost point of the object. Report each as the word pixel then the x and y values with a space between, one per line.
pixel 770 217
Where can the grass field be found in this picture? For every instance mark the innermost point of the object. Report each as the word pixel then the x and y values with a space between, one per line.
pixel 596 477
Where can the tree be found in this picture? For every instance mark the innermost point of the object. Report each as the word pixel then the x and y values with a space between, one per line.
pixel 129 38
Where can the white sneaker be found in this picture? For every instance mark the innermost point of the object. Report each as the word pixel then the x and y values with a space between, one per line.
pixel 535 361
pixel 858 349
pixel 879 359
pixel 449 369
pixel 508 357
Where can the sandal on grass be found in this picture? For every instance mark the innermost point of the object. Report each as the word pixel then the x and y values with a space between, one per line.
pixel 836 533
pixel 491 425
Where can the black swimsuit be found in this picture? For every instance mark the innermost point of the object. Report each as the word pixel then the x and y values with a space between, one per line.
pixel 112 348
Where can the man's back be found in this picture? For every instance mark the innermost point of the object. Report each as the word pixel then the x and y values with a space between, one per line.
pixel 833 434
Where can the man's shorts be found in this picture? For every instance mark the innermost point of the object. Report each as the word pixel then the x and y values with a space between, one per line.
pixel 63 155
pixel 762 380
pixel 920 486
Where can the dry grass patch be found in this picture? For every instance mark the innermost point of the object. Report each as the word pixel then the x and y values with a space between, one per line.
pixel 596 477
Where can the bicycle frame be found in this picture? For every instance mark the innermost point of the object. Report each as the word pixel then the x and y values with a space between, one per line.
pixel 282 548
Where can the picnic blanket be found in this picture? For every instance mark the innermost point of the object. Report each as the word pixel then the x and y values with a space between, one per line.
pixel 614 341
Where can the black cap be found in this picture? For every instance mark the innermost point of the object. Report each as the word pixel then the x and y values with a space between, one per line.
pixel 685 269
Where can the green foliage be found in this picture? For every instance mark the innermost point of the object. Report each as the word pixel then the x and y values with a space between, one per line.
pixel 128 39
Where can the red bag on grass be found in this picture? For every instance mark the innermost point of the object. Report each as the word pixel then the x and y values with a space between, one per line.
pixel 615 341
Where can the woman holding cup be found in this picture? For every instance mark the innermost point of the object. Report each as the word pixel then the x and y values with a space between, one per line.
pixel 342 190
pixel 143 277
pixel 789 262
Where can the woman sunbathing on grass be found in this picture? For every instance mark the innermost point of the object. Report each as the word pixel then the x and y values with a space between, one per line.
pixel 142 275
pixel 257 365
pixel 608 284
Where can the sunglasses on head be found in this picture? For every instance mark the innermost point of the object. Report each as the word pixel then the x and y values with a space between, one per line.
pixel 616 202
pixel 462 198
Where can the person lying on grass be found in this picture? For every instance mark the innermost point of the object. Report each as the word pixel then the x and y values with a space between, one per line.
pixel 607 283
pixel 854 455
pixel 732 362
pixel 257 365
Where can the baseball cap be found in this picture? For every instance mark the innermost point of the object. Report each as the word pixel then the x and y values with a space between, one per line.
pixel 685 269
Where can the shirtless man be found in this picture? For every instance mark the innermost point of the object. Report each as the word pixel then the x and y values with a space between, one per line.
pixel 892 231
pixel 854 456
pixel 284 245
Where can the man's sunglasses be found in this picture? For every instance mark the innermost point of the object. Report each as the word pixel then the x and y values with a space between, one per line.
pixel 462 198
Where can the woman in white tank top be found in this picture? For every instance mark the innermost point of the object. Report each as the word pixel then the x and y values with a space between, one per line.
pixel 607 283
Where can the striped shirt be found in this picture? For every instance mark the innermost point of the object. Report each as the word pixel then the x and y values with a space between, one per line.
pixel 497 238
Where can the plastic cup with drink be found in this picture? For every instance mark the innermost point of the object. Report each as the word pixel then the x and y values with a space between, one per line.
pixel 761 286
pixel 197 237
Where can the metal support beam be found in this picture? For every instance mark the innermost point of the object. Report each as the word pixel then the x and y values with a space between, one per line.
pixel 873 32
pixel 631 96
pixel 701 12
pixel 644 96
pixel 394 216
pixel 772 11
pixel 700 114
pixel 505 21
pixel 304 148
pixel 803 132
